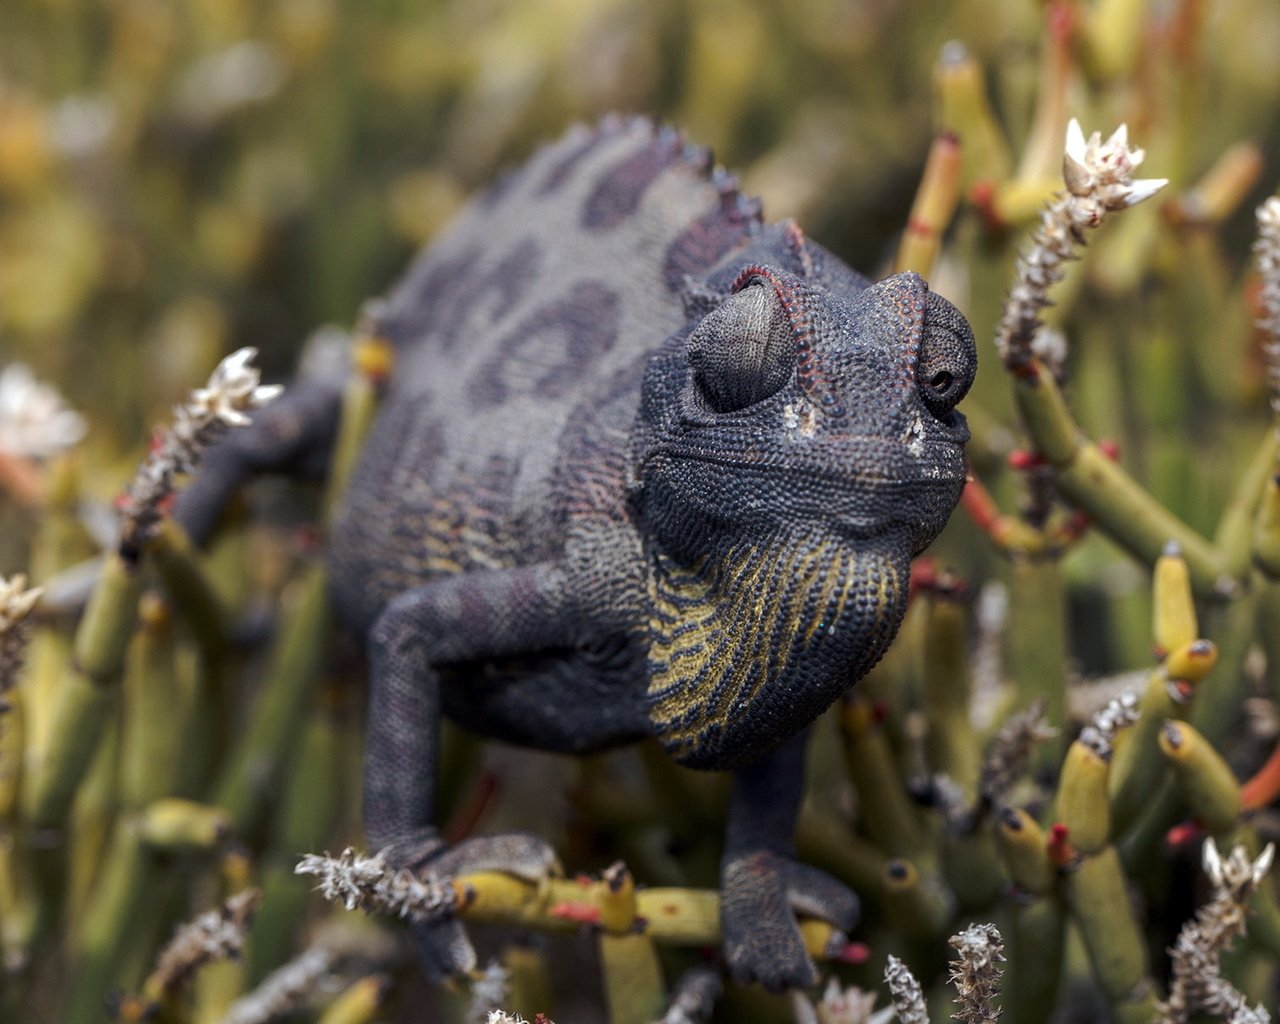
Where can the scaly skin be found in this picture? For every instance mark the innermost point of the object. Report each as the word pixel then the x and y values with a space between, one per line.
pixel 647 466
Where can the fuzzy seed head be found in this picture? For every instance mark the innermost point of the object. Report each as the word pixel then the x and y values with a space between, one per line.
pixel 975 972
pixel 16 603
pixel 233 390
pixel 1267 252
pixel 908 999
pixel 370 884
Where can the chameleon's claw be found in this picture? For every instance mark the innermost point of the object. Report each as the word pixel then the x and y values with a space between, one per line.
pixel 761 893
pixel 444 950
pixel 521 854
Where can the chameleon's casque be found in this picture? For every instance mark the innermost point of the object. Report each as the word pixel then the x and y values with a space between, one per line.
pixel 646 466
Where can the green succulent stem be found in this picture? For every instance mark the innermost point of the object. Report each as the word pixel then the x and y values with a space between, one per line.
pixel 1118 504
pixel 1097 894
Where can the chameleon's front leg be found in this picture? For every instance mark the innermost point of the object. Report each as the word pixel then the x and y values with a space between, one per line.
pixel 460 618
pixel 762 886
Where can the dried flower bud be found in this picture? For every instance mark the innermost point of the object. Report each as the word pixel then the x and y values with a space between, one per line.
pixel 16 603
pixel 370 884
pixel 975 972
pixel 215 935
pixel 232 391
pixel 908 999
pixel 1267 251
pixel 1099 180
pixel 1198 986
pixel 1010 751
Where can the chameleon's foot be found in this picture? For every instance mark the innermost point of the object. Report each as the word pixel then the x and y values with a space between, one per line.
pixel 761 892
pixel 443 946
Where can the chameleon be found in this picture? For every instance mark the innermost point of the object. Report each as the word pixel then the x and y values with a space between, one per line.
pixel 647 466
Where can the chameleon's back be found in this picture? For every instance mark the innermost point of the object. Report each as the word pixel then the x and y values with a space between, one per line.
pixel 550 286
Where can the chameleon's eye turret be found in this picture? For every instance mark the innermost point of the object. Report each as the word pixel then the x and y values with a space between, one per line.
pixel 948 357
pixel 743 351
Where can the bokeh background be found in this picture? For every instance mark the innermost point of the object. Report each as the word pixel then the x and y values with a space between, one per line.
pixel 179 178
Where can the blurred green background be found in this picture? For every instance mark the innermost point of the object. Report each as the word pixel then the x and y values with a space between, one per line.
pixel 179 179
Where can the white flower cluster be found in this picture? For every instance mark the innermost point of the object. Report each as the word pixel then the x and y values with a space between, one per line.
pixel 1267 250
pixel 840 1005
pixel 1099 179
pixel 1099 175
pixel 16 603
pixel 233 390
pixel 34 420
pixel 370 884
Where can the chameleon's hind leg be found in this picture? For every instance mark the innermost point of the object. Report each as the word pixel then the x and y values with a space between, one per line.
pixel 457 619
pixel 293 435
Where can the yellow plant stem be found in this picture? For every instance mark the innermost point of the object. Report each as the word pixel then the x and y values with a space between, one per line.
pixel 111 917
pixel 1082 798
pixel 668 916
pixel 359 1002
pixel 1098 895
pixel 919 905
pixel 934 206
pixel 964 109
pixel 1173 607
pixel 1025 848
pixel 633 985
pixel 1137 767
pixel 528 980
pixel 1266 530
pixel 887 811
pixel 1203 775
pixel 1237 536
pixel 950 742
pixel 1036 649
pixel 372 361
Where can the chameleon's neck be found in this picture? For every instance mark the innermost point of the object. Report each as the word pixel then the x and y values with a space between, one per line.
pixel 751 643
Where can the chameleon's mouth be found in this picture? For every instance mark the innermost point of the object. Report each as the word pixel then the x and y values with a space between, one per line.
pixel 861 460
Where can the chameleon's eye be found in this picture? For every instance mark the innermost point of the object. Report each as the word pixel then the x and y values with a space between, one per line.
pixel 947 359
pixel 743 351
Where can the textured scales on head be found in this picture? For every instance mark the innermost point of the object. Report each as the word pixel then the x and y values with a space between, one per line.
pixel 797 444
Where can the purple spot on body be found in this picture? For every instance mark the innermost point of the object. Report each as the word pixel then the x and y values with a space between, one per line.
pixel 702 244
pixel 620 189
pixel 450 298
pixel 542 356
pixel 563 167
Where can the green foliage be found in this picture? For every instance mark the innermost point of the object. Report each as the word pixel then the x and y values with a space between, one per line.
pixel 181 179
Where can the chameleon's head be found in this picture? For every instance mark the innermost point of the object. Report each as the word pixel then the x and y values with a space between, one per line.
pixel 814 400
